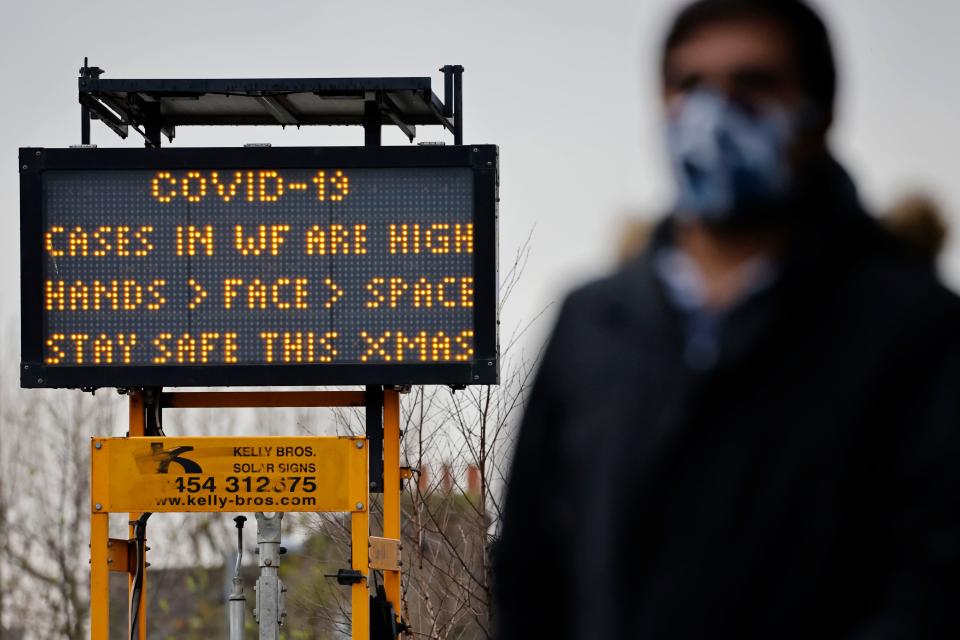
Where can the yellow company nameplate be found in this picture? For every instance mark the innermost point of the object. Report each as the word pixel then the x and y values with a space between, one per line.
pixel 229 474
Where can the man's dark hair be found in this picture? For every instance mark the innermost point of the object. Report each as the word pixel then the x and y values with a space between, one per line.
pixel 811 41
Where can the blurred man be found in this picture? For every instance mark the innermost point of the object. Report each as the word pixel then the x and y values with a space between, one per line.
pixel 752 430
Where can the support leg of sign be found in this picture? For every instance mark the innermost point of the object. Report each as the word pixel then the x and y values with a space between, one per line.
pixel 458 104
pixel 372 121
pixel 137 428
pixel 391 487
pixel 374 419
pixel 84 124
pixel 99 573
pixel 360 592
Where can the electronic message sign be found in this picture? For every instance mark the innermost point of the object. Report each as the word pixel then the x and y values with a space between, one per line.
pixel 258 266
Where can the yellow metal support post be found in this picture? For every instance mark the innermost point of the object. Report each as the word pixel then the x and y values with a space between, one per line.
pixel 137 429
pixel 99 552
pixel 391 487
pixel 360 592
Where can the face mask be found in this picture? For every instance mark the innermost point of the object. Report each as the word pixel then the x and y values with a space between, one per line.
pixel 729 163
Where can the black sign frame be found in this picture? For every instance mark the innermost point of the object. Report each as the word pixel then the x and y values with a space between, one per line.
pixel 482 369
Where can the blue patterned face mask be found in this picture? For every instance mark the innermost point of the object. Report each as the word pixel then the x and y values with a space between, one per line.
pixel 729 163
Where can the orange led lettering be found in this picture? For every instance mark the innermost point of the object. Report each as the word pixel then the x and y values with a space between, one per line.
pixel 79 297
pixel 132 295
pixel 208 341
pixel 275 291
pixel 375 346
pixel 325 341
pixel 77 241
pixel 48 237
pixel 160 187
pixel 378 297
pixel 268 338
pixel 434 240
pixel 230 348
pixel 275 238
pixel 271 186
pixel 465 342
pixel 466 291
pixel 186 349
pixel 154 290
pixel 191 240
pixel 160 343
pixel 123 241
pixel 321 181
pixel 316 241
pixel 359 239
pixel 418 342
pixel 256 295
pixel 397 287
pixel 198 294
pixel 78 340
pixel 341 183
pixel 463 238
pixel 126 342
pixel 103 291
pixel 226 190
pixel 55 298
pixel 441 292
pixel 55 354
pixel 142 236
pixel 230 286
pixel 194 186
pixel 422 293
pixel 300 293
pixel 338 240
pixel 98 238
pixel 251 245
pixel 102 350
pixel 337 292
pixel 437 239
pixel 293 346
pixel 404 238
pixel 440 346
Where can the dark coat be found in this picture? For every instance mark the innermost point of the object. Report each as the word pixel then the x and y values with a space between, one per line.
pixel 805 487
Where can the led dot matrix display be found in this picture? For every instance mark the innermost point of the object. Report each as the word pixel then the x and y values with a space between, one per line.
pixel 343 266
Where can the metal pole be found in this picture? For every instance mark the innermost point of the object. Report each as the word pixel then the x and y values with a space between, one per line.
pixel 84 109
pixel 374 419
pixel 99 555
pixel 137 608
pixel 447 90
pixel 371 123
pixel 270 609
pixel 458 104
pixel 237 603
pixel 84 124
pixel 391 487
pixel 359 561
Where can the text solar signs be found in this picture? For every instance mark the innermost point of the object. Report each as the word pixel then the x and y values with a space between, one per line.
pixel 258 266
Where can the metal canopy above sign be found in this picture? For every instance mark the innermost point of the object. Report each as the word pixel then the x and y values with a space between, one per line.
pixel 157 106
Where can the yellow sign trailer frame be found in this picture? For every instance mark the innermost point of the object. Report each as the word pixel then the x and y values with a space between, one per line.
pixel 135 473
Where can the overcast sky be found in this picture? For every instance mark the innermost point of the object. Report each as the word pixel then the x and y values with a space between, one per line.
pixel 567 89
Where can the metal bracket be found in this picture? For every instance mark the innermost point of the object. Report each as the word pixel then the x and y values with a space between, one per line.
pixel 346 577
pixel 385 554
pixel 120 555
